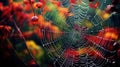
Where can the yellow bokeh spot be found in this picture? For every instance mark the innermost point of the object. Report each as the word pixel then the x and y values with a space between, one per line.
pixel 105 15
pixel 98 12
pixel 88 24
pixel 32 45
pixel 36 50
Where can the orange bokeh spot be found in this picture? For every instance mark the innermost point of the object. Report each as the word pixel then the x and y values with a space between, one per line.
pixel 111 35
pixel 105 15
pixel 57 3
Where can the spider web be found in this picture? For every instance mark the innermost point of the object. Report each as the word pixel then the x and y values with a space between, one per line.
pixel 81 12
pixel 71 39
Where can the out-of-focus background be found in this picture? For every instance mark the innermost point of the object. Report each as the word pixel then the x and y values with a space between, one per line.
pixel 60 33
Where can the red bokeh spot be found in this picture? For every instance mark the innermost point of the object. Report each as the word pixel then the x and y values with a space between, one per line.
pixel 39 4
pixel 73 1
pixel 71 54
pixel 94 5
